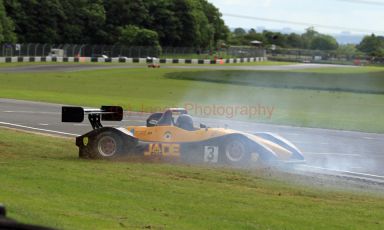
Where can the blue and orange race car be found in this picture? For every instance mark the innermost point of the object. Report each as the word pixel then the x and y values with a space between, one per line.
pixel 172 135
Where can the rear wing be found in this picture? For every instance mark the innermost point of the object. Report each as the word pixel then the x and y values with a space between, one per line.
pixel 95 116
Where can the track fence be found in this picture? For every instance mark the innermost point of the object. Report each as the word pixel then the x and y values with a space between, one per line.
pixel 322 56
pixel 84 50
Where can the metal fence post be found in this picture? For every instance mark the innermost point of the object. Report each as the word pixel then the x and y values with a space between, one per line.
pixel 28 49
pixel 43 49
pixel 102 50
pixel 73 50
pixel 81 52
pixel 36 46
pixel 113 51
pixel 92 51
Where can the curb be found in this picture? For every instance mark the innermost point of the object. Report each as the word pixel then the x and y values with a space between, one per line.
pixel 129 60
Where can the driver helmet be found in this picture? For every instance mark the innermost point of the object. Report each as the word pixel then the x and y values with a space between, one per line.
pixel 185 121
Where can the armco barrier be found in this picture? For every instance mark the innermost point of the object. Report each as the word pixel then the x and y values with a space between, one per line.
pixel 129 60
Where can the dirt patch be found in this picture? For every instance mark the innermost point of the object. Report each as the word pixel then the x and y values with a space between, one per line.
pixel 4 145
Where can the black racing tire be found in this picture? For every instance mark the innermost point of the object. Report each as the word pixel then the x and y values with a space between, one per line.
pixel 236 152
pixel 106 145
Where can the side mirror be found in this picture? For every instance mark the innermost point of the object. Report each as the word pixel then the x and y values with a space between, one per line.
pixel 153 119
pixel 202 126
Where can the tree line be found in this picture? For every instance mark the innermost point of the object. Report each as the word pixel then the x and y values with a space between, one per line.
pixel 190 23
pixel 371 45
pixel 156 23
pixel 311 39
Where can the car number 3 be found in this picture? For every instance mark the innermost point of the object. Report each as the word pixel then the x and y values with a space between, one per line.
pixel 211 154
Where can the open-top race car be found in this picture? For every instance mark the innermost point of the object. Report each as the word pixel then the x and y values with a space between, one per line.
pixel 153 62
pixel 172 135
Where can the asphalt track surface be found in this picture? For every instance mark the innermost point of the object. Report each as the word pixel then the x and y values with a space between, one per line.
pixel 354 152
pixel 81 67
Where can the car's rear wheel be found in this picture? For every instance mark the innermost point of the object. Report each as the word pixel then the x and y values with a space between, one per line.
pixel 107 145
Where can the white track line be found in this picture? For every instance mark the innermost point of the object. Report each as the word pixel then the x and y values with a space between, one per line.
pixel 334 154
pixel 30 112
pixel 309 142
pixel 346 172
pixel 37 129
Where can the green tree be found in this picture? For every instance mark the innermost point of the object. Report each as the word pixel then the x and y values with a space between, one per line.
pixel 239 32
pixel 84 22
pixel 252 35
pixel 131 35
pixel 323 42
pixel 275 38
pixel 187 27
pixel 126 12
pixel 238 37
pixel 216 23
pixel 372 45
pixel 348 50
pixel 308 36
pixel 195 23
pixel 186 22
pixel 164 21
pixel 312 39
pixel 294 41
pixel 134 36
pixel 36 21
pixel 7 27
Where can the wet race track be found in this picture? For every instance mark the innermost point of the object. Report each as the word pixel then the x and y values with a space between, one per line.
pixel 355 152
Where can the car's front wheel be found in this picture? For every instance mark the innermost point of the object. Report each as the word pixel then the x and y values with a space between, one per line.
pixel 236 152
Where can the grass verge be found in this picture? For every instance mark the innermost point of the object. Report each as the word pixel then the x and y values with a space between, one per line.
pixel 345 80
pixel 43 182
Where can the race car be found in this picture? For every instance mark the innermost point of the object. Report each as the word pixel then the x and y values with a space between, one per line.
pixel 172 135
pixel 153 62
pixel 153 65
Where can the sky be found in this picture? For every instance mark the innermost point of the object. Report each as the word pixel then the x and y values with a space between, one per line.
pixel 327 16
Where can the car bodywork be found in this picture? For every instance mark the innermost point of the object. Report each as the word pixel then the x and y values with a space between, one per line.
pixel 154 65
pixel 166 137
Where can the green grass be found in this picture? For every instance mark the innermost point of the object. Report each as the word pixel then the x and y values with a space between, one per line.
pixel 354 80
pixel 343 70
pixel 43 182
pixel 154 89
